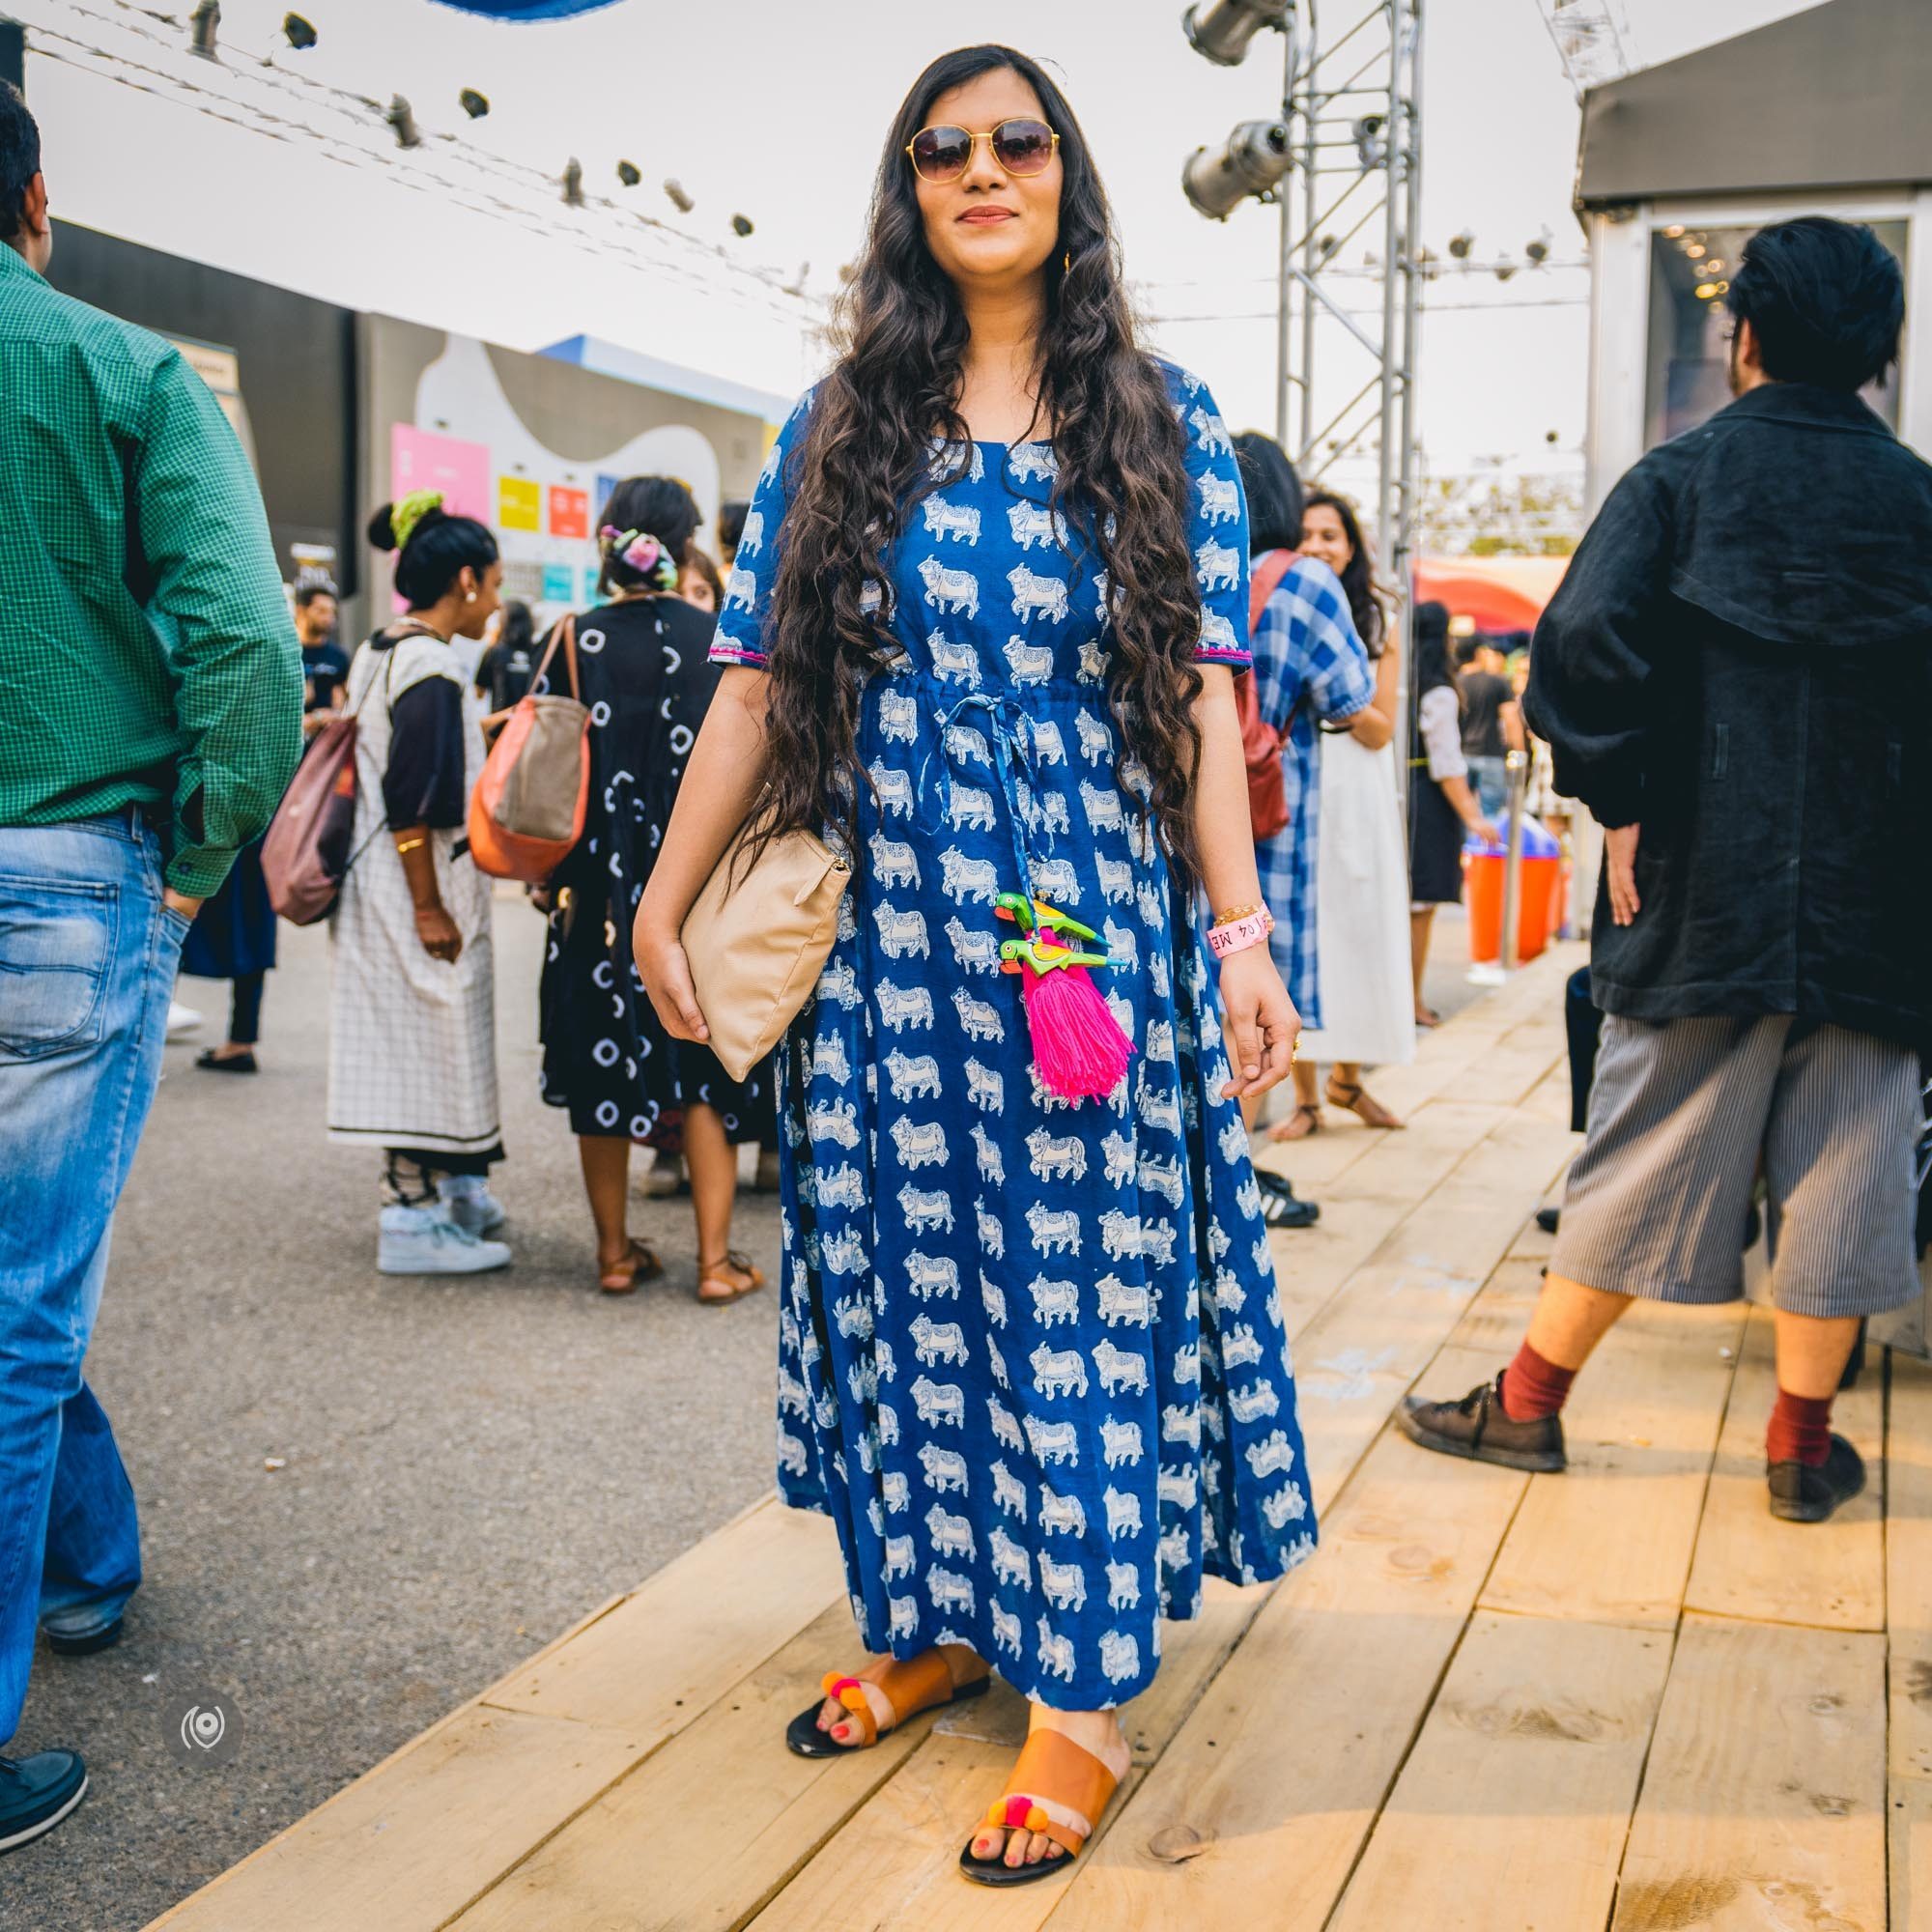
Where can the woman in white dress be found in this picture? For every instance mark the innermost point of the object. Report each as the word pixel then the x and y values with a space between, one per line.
pixel 412 1043
pixel 1361 879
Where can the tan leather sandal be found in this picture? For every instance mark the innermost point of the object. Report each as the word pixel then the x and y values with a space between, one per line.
pixel 737 1273
pixel 621 1277
pixel 1053 1768
pixel 1355 1098
pixel 1299 1124
pixel 910 1685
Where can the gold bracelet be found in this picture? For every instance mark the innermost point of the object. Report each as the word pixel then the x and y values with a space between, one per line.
pixel 408 845
pixel 1235 913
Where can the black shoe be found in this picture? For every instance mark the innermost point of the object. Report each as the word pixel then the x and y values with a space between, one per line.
pixel 1281 1205
pixel 1547 1219
pixel 104 1638
pixel 1477 1428
pixel 211 1062
pixel 35 1793
pixel 1808 1492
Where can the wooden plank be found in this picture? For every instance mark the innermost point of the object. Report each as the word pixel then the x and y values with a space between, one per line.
pixel 1519 1788
pixel 1748 1564
pixel 693 1631
pixel 407 1849
pixel 1908 1557
pixel 1273 1783
pixel 707 1830
pixel 1360 1355
pixel 1610 1540
pixel 1764 1801
pixel 1516 1066
pixel 1910 1860
pixel 906 1840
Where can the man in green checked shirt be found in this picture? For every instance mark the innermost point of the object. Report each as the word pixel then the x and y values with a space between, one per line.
pixel 149 716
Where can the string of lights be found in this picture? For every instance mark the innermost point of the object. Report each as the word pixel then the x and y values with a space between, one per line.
pixel 260 96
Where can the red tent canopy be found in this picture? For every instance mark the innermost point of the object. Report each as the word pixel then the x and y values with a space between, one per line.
pixel 1496 593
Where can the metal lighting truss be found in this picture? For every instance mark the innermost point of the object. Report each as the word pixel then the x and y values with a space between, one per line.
pixel 1352 103
pixel 1593 40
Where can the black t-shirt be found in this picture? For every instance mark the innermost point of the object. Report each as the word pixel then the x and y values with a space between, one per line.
pixel 1483 695
pixel 324 667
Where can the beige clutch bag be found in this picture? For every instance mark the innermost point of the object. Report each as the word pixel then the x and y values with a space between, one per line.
pixel 757 939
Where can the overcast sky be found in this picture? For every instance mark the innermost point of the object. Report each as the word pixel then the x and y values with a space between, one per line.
pixel 776 108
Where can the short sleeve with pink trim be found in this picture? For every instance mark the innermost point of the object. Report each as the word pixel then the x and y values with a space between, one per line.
pixel 1217 530
pixel 741 634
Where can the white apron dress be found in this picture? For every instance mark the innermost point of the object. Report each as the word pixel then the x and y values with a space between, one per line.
pixel 412 1043
pixel 1361 919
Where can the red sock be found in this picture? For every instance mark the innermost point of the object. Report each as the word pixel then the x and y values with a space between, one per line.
pixel 1801 1429
pixel 1533 1388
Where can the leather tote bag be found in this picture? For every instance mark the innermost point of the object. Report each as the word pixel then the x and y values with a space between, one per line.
pixel 1261 743
pixel 757 939
pixel 528 808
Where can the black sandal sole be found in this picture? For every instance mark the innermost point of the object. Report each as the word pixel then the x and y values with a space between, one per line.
pixel 996 1872
pixel 803 1738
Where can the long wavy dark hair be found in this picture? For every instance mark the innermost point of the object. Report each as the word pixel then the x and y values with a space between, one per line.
pixel 866 459
pixel 1358 579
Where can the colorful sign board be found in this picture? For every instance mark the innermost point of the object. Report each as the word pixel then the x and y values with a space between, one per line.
pixel 569 511
pixel 419 459
pixel 519 504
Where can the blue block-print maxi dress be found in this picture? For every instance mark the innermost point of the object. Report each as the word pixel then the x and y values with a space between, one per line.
pixel 1032 1360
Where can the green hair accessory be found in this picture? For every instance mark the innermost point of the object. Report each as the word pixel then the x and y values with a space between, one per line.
pixel 404 516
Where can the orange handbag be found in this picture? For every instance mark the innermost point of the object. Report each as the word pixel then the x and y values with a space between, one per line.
pixel 529 807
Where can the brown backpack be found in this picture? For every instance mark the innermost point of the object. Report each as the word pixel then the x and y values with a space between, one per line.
pixel 1260 742
pixel 306 853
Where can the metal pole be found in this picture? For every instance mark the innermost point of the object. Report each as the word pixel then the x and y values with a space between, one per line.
pixel 1388 456
pixel 1309 218
pixel 1283 288
pixel 1401 559
pixel 1516 766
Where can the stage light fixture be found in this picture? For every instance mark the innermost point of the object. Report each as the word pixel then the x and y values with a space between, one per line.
pixel 202 25
pixel 1461 245
pixel 402 117
pixel 1370 147
pixel 740 224
pixel 573 182
pixel 1538 250
pixel 299 34
pixel 1252 160
pixel 473 103
pixel 679 199
pixel 1222 30
pixel 1505 269
pixel 627 173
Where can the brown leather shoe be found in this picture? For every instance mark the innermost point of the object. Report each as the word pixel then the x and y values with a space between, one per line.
pixel 1477 1428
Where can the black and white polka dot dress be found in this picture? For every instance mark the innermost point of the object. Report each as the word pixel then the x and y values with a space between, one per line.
pixel 646 679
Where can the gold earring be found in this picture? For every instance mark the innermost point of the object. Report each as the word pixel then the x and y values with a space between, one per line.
pixel 1067 262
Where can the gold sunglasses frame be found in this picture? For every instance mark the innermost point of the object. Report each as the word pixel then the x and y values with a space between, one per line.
pixel 975 138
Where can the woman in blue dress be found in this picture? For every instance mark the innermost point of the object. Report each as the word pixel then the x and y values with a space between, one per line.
pixel 983 625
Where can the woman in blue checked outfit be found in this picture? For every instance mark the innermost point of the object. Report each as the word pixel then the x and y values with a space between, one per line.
pixel 1030 1354
pixel 1310 669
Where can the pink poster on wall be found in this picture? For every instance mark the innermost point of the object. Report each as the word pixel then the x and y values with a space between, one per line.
pixel 419 459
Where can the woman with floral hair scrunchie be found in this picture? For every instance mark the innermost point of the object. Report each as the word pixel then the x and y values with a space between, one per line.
pixel 644 665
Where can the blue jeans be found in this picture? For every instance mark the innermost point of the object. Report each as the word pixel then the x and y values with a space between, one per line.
pixel 88 953
pixel 1489 779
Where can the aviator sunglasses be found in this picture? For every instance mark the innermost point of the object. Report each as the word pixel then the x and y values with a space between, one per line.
pixel 940 154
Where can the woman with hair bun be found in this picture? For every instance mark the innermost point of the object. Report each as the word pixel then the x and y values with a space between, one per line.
pixel 645 670
pixel 412 1044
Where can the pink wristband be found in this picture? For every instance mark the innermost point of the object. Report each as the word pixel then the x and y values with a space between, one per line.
pixel 1238 934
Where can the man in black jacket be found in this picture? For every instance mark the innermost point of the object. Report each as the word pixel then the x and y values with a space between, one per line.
pixel 1734 678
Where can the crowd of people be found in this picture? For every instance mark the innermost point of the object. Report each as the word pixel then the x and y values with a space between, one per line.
pixel 1091 708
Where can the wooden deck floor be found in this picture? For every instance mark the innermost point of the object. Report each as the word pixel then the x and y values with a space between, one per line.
pixel 1624 1697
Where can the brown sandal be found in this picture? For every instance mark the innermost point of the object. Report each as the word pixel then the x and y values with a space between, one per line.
pixel 622 1277
pixel 1355 1098
pixel 739 1274
pixel 1052 1766
pixel 1299 1124
pixel 909 1685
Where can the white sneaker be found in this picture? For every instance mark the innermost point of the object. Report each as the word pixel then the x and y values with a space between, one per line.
pixel 425 1241
pixel 471 1204
pixel 182 1020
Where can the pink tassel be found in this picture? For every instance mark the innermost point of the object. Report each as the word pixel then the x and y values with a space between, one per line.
pixel 1077 1042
